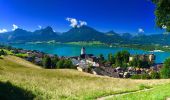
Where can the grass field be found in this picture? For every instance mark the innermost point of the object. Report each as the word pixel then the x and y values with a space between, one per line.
pixel 161 92
pixel 19 78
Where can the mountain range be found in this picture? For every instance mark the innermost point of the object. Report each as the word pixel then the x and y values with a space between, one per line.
pixel 84 33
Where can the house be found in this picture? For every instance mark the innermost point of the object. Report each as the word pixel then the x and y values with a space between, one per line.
pixel 143 57
pixel 75 61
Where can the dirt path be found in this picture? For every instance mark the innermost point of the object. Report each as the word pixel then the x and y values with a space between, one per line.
pixel 121 94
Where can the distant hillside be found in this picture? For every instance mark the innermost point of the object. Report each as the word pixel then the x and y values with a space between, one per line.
pixel 83 33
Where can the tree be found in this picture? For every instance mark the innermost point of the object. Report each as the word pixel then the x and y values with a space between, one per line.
pixel 162 13
pixel 122 58
pixel 68 63
pixel 111 58
pixel 60 64
pixel 154 75
pixel 134 62
pixel 101 58
pixel 54 61
pixel 165 71
pixel 125 56
pixel 47 62
pixel 2 52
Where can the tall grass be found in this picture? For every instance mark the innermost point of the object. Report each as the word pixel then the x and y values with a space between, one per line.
pixel 64 83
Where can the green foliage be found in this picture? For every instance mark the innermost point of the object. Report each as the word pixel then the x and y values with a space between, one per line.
pixel 111 58
pixel 137 62
pixel 162 13
pixel 101 59
pixel 60 64
pixel 64 63
pixel 47 62
pixel 154 75
pixel 122 58
pixel 2 52
pixel 125 56
pixel 68 63
pixel 54 61
pixel 21 55
pixel 140 76
pixel 165 71
pixel 133 63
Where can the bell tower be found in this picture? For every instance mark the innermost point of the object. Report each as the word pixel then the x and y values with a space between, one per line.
pixel 83 51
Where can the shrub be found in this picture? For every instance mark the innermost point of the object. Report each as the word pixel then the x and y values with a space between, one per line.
pixel 145 76
pixel 47 62
pixel 165 71
pixel 2 52
pixel 155 75
pixel 140 76
pixel 137 76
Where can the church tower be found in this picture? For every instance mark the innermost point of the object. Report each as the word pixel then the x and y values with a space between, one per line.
pixel 83 51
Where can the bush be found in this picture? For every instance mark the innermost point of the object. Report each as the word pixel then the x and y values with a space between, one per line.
pixel 155 75
pixel 145 76
pixel 65 63
pixel 140 76
pixel 137 76
pixel 2 52
pixel 47 62
pixel 165 71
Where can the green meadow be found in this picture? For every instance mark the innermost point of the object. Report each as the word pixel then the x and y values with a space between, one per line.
pixel 20 79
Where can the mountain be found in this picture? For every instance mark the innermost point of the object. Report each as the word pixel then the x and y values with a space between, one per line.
pixel 20 35
pixel 45 34
pixel 163 39
pixel 112 33
pixel 126 36
pixel 84 33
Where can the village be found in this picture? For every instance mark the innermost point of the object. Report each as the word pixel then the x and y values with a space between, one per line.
pixel 129 65
pixel 91 64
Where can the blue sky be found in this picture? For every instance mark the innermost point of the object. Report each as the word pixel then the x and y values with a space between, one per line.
pixel 104 15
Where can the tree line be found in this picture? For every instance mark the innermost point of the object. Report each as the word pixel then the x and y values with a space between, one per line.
pixel 121 59
pixel 55 62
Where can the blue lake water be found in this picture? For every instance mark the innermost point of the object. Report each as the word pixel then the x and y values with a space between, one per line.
pixel 74 50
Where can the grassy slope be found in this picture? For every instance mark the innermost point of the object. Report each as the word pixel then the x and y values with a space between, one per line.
pixel 63 83
pixel 161 92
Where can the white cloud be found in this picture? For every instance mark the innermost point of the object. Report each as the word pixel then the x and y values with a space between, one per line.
pixel 14 27
pixel 140 30
pixel 82 23
pixel 164 27
pixel 3 30
pixel 73 22
pixel 76 23
pixel 39 26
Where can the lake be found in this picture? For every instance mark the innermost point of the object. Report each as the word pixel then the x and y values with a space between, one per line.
pixel 74 50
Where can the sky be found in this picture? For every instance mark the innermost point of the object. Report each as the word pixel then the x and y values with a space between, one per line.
pixel 132 16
